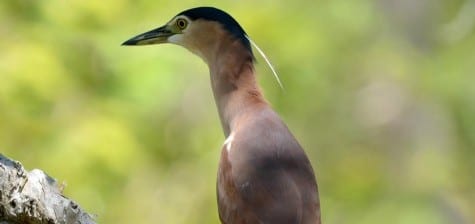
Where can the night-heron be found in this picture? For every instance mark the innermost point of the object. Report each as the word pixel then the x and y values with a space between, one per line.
pixel 264 175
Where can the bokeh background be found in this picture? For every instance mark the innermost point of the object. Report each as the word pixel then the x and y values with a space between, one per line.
pixel 381 94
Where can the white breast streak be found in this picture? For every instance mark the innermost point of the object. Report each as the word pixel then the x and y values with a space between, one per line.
pixel 228 142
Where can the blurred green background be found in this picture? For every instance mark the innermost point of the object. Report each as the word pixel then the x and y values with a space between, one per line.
pixel 379 92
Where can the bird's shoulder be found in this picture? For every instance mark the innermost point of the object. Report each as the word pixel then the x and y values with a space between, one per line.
pixel 265 135
pixel 269 173
pixel 266 145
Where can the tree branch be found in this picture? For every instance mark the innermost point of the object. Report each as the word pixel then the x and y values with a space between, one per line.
pixel 34 198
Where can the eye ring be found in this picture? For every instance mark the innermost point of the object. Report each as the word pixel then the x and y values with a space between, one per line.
pixel 181 23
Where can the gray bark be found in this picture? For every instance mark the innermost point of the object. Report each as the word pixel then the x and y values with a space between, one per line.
pixel 34 198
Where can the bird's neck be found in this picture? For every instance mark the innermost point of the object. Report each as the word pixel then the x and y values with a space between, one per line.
pixel 234 85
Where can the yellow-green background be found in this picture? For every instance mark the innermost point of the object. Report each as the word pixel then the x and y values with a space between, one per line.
pixel 381 94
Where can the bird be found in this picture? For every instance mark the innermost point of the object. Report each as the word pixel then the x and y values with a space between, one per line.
pixel 264 175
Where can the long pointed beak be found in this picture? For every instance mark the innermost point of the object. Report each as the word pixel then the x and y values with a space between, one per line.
pixel 155 36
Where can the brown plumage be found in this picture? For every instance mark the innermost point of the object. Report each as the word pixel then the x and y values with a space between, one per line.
pixel 264 175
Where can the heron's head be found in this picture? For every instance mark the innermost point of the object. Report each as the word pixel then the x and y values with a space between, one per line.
pixel 201 30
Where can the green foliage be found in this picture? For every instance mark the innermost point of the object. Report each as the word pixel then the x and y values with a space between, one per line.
pixel 380 93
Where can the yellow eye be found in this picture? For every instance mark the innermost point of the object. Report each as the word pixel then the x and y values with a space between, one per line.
pixel 181 23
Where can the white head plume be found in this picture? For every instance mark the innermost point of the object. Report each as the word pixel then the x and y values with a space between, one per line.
pixel 267 61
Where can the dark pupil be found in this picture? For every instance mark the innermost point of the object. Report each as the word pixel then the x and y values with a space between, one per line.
pixel 181 23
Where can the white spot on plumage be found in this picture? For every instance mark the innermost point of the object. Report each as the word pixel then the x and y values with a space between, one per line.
pixel 228 142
